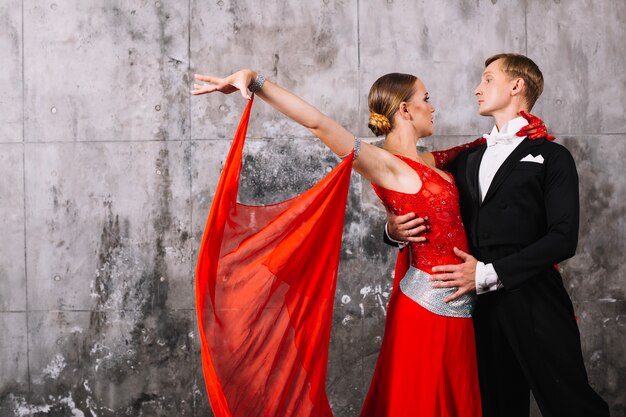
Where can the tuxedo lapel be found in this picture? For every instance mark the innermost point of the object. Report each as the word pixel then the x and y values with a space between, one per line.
pixel 509 163
pixel 473 164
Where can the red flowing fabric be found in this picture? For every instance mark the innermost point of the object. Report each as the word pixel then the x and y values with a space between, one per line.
pixel 403 261
pixel 265 284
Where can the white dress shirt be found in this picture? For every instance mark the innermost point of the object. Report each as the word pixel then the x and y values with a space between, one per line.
pixel 500 144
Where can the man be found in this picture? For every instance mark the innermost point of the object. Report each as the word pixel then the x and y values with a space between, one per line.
pixel 519 202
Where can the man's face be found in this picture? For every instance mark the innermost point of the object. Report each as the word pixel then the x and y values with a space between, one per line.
pixel 494 90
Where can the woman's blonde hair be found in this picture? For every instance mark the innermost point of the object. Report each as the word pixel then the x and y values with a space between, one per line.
pixel 384 100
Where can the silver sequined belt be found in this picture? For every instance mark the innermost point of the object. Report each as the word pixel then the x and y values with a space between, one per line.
pixel 417 286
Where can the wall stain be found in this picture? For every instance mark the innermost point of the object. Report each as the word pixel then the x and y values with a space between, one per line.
pixel 130 334
pixel 275 67
pixel 14 34
pixel 278 172
pixel 599 203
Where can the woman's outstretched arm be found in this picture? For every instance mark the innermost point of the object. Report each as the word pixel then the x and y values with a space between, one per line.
pixel 375 164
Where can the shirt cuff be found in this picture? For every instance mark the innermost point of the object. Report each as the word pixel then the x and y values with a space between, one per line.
pixel 398 242
pixel 486 278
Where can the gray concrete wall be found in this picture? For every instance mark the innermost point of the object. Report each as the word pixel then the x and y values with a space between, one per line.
pixel 108 167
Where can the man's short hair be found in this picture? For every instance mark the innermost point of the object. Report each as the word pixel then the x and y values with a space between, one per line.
pixel 520 66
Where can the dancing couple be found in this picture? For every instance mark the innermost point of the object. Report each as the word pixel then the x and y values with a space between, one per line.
pixel 478 315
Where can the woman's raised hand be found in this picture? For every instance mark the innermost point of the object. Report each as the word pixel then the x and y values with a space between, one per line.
pixel 535 128
pixel 237 81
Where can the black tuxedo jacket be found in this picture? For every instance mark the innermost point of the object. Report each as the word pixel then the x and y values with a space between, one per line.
pixel 528 221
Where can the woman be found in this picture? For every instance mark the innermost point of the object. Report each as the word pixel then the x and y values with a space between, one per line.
pixel 427 363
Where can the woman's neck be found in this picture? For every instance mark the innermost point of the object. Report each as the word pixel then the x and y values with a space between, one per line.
pixel 402 144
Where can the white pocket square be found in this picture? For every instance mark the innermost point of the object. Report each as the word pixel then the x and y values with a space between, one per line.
pixel 529 158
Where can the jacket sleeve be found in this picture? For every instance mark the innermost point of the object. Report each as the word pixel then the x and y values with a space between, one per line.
pixel 389 241
pixel 562 217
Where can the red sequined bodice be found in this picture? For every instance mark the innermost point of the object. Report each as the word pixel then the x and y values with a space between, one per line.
pixel 438 199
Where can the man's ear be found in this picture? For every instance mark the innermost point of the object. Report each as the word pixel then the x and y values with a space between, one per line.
pixel 518 86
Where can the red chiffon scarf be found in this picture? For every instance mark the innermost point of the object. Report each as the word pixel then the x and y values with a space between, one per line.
pixel 265 284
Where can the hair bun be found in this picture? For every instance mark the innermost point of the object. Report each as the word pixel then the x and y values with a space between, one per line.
pixel 379 124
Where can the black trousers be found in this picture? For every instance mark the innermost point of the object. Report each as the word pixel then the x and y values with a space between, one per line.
pixel 528 339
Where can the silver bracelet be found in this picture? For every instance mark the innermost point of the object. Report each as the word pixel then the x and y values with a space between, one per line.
pixel 355 150
pixel 256 85
pixel 357 147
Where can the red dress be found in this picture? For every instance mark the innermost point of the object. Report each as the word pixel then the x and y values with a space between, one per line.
pixel 427 362
pixel 265 287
